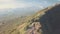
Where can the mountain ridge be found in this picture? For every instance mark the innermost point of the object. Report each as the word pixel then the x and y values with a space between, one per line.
pixel 42 17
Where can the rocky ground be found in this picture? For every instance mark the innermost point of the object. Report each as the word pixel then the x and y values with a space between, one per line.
pixel 34 27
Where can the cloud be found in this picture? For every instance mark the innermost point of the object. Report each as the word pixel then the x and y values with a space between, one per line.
pixel 41 4
pixel 45 2
pixel 58 0
pixel 5 4
pixel 41 7
pixel 6 1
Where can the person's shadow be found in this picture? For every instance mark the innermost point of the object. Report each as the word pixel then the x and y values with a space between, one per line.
pixel 50 21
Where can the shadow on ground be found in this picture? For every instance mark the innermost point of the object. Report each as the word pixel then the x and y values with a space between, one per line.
pixel 50 21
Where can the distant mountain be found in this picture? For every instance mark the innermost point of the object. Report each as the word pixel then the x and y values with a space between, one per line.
pixel 19 11
pixel 13 13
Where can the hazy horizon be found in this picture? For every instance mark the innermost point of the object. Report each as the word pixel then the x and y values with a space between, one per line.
pixel 23 6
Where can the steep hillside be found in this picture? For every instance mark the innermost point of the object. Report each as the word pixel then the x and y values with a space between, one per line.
pixel 51 20
pixel 45 21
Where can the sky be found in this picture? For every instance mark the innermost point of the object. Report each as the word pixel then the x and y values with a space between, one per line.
pixel 6 4
pixel 23 7
pixel 20 6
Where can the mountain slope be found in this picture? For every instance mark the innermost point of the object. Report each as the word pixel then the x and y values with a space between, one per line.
pixel 47 21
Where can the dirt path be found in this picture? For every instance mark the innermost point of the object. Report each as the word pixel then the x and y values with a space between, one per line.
pixel 21 26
